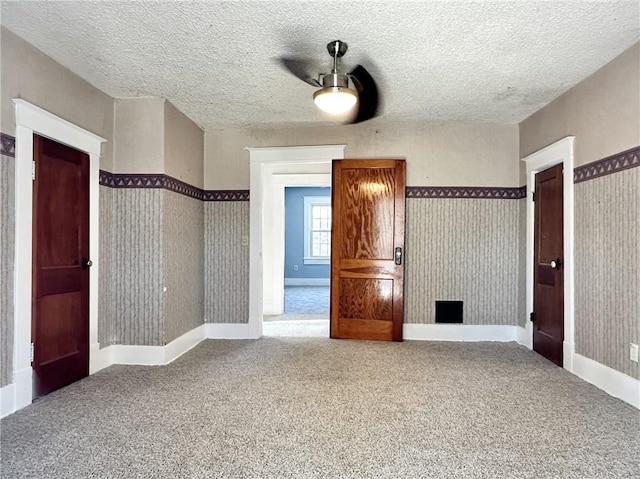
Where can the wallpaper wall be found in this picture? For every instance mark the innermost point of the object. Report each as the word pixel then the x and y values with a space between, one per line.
pixel 139 265
pixel 106 298
pixel 226 262
pixel 7 239
pixel 464 244
pixel 184 264
pixel 607 276
pixel 462 249
pixel 522 262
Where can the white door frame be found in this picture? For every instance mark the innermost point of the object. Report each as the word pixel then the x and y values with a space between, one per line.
pixel 31 119
pixel 273 235
pixel 559 152
pixel 269 169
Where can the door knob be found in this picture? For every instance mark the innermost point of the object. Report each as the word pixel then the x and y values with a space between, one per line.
pixel 555 264
pixel 86 263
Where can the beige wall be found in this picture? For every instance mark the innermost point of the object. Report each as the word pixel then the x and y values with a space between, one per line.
pixel 139 136
pixel 183 147
pixel 602 112
pixel 437 155
pixel 29 74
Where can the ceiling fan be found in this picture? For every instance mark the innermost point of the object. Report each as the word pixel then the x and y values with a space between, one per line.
pixel 335 95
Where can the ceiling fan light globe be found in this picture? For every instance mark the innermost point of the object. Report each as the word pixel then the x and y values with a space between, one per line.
pixel 335 100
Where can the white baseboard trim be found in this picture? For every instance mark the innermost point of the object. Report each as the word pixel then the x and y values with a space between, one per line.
pixel 23 381
pixel 458 332
pixel 521 335
pixel 99 358
pixel 609 380
pixel 18 394
pixel 228 331
pixel 146 355
pixel 568 353
pixel 184 343
pixel 7 400
pixel 306 281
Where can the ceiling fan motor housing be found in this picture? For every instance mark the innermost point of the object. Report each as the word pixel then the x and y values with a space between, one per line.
pixel 335 80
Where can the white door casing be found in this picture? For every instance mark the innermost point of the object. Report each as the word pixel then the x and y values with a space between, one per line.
pixel 270 170
pixel 559 152
pixel 31 119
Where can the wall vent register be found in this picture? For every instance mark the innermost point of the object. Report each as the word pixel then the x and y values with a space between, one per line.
pixel 449 312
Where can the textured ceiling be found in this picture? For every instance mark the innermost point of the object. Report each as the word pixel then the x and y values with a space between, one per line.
pixel 460 61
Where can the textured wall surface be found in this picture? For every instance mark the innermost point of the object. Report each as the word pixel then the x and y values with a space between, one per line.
pixel 462 249
pixel 139 132
pixel 183 147
pixel 138 262
pixel 7 239
pixel 437 155
pixel 607 279
pixel 602 112
pixel 29 74
pixel 522 262
pixel 106 296
pixel 226 262
pixel 184 264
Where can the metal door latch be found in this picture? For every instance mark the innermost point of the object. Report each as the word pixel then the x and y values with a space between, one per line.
pixel 398 256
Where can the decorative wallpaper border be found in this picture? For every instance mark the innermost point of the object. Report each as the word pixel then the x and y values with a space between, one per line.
pixel 135 180
pixel 226 195
pixel 465 192
pixel 7 145
pixel 611 164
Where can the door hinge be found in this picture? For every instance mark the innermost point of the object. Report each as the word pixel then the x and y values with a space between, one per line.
pixel 33 170
pixel 32 350
pixel 533 196
pixel 532 317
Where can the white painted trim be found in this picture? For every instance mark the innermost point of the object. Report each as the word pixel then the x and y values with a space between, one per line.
pixel 458 332
pixel 307 281
pixel 31 119
pixel 184 343
pixel 609 380
pixel 270 170
pixel 525 335
pixel 559 152
pixel 309 202
pixel 229 331
pixel 7 400
pixel 150 355
pixel 100 358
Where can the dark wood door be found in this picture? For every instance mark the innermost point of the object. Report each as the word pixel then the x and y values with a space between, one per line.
pixel 60 308
pixel 548 294
pixel 367 249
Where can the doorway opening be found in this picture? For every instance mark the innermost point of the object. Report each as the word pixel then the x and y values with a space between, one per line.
pixel 273 169
pixel 307 253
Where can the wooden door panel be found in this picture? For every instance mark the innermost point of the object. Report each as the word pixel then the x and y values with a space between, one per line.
pixel 368 225
pixel 53 313
pixel 365 329
pixel 548 294
pixel 60 323
pixel 366 298
pixel 367 220
pixel 58 198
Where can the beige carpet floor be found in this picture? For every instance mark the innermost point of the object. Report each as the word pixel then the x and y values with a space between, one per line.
pixel 321 408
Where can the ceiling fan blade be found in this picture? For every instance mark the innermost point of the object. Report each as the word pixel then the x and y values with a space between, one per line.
pixel 368 96
pixel 299 68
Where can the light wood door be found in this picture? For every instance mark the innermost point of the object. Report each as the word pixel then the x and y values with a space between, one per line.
pixel 60 298
pixel 367 249
pixel 548 294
